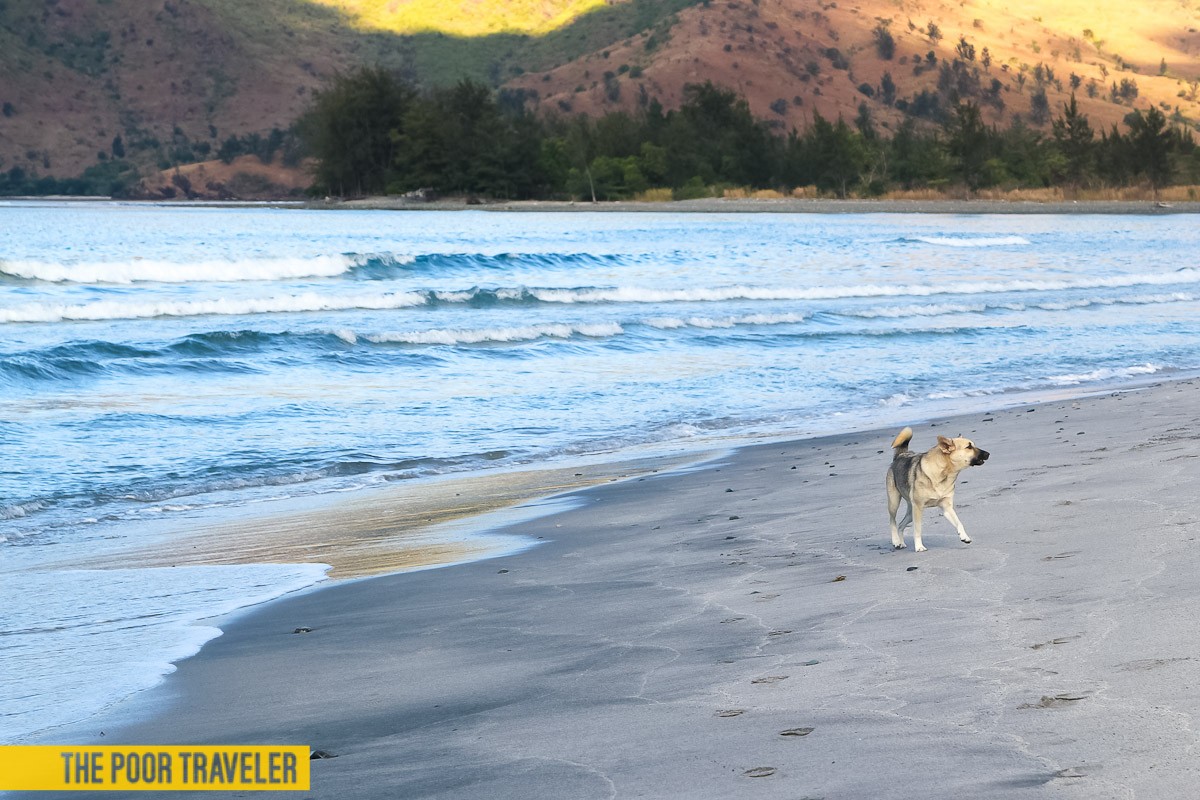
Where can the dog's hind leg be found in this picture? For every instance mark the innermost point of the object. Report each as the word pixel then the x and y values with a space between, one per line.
pixel 893 496
pixel 948 510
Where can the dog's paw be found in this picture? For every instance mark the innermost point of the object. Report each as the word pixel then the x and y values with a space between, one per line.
pixel 921 548
pixel 965 539
pixel 900 546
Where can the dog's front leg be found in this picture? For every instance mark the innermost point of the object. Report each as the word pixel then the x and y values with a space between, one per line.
pixel 948 510
pixel 917 511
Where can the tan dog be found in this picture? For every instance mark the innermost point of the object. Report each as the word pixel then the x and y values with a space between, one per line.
pixel 926 480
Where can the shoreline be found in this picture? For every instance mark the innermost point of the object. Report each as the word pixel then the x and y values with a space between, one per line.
pixel 419 524
pixel 696 615
pixel 709 205
pixel 780 206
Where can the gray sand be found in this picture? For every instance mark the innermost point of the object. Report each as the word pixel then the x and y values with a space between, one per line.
pixel 668 632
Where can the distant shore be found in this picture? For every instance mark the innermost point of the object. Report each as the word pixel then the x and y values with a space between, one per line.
pixel 707 205
pixel 779 206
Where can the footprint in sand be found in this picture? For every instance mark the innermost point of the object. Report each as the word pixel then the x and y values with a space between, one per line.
pixel 1151 663
pixel 1059 640
pixel 797 732
pixel 770 679
pixel 731 712
pixel 1057 701
pixel 759 772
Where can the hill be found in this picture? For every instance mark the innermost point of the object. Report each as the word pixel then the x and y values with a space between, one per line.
pixel 791 58
pixel 166 82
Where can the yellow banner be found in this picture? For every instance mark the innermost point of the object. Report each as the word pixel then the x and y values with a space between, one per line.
pixel 151 768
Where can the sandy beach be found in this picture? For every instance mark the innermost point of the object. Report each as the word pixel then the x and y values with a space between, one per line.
pixel 744 629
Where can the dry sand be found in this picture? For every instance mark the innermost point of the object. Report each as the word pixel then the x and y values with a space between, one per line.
pixel 745 630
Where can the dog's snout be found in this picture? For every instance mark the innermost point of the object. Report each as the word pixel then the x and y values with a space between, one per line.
pixel 980 457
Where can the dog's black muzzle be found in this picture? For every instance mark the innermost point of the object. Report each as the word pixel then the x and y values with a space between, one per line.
pixel 980 457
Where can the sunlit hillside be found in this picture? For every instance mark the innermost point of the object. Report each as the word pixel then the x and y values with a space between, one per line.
pixel 173 80
pixel 464 17
pixel 793 57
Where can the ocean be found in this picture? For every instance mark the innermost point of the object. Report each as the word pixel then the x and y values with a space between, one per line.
pixel 172 361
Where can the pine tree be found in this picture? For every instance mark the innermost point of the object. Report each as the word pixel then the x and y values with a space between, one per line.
pixel 1076 141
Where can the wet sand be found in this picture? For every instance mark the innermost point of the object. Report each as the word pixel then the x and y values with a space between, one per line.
pixel 745 629
pixel 408 525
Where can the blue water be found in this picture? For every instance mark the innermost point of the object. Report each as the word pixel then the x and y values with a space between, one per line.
pixel 159 360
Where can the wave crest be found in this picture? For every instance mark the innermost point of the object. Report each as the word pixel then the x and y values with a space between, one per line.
pixel 154 271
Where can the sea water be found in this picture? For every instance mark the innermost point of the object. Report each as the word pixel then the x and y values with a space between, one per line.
pixel 162 361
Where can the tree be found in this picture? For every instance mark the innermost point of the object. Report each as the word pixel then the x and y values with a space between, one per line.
pixel 967 143
pixel 1039 107
pixel 887 89
pixel 1150 145
pixel 353 130
pixel 885 44
pixel 1076 141
pixel 841 153
pixel 965 50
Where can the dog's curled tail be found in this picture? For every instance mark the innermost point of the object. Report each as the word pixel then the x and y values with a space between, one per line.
pixel 900 443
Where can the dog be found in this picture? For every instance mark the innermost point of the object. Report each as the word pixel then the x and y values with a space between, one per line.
pixel 926 480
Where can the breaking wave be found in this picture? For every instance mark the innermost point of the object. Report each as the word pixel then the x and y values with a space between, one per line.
pixel 148 270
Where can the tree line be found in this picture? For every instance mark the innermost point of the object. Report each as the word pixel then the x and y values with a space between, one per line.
pixel 373 133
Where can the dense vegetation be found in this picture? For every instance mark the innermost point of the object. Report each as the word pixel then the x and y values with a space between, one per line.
pixel 111 177
pixel 373 133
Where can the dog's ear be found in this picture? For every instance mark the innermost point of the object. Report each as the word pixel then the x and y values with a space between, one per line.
pixel 945 445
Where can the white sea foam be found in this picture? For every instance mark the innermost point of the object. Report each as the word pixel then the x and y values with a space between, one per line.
pixel 669 323
pixel 19 510
pixel 1104 374
pixel 930 310
pixel 632 294
pixel 152 270
pixel 972 241
pixel 961 393
pixel 896 400
pixel 313 301
pixel 76 641
pixel 515 334
pixel 279 304
pixel 940 309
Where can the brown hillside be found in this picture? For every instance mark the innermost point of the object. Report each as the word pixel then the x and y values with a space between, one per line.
pixel 244 178
pixel 77 73
pixel 780 55
pixel 175 78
